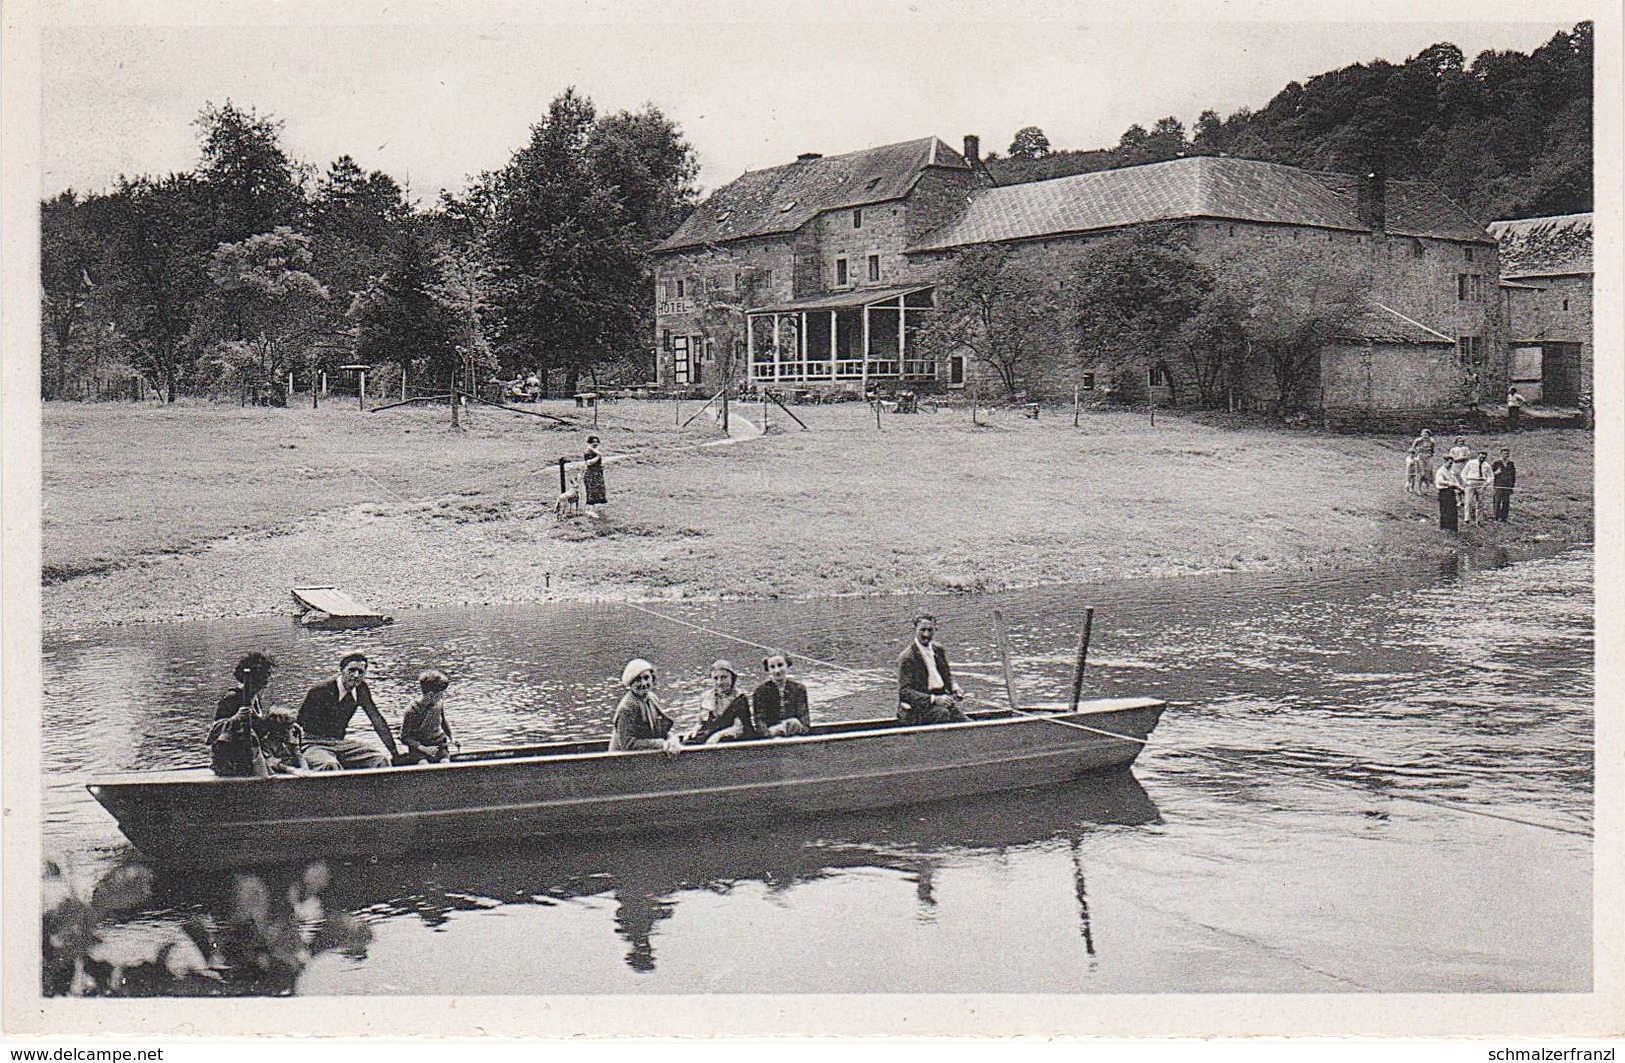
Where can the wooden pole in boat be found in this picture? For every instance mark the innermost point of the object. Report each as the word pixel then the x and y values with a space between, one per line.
pixel 1083 655
pixel 1004 656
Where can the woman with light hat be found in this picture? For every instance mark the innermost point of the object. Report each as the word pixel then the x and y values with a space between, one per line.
pixel 640 722
pixel 724 711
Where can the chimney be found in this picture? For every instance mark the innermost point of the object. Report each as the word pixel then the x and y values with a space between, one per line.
pixel 809 156
pixel 973 149
pixel 1373 199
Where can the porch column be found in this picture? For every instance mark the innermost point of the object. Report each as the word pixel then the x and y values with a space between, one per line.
pixel 801 342
pixel 866 348
pixel 750 347
pixel 834 353
pixel 902 331
pixel 775 347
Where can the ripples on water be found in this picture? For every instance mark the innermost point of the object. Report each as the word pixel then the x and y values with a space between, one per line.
pixel 1325 695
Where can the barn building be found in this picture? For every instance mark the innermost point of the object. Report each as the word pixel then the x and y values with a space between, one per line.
pixel 1546 281
pixel 818 274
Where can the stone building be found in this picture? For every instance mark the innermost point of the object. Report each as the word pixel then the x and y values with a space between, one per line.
pixel 817 274
pixel 1546 283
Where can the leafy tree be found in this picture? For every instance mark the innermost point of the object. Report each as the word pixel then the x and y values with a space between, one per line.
pixel 158 232
pixel 68 251
pixel 1134 296
pixel 400 317
pixel 246 178
pixel 264 303
pixel 1029 143
pixel 1004 312
pixel 1292 304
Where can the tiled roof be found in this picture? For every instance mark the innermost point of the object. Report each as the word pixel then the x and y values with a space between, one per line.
pixel 784 198
pixel 1201 187
pixel 1544 247
pixel 1384 324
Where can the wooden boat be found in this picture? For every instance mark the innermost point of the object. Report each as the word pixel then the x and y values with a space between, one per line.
pixel 331 609
pixel 564 789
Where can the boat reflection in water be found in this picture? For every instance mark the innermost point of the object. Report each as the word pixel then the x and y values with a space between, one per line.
pixel 647 876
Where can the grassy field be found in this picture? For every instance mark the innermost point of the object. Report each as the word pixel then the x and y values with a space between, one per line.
pixel 195 510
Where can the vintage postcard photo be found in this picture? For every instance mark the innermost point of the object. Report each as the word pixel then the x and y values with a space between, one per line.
pixel 860 519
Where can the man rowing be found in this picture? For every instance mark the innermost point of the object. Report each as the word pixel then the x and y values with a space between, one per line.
pixel 926 691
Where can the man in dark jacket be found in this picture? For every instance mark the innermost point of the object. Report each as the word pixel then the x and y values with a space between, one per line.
pixel 779 706
pixel 1506 478
pixel 325 717
pixel 926 691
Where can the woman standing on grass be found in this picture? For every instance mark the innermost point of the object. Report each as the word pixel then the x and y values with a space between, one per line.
pixel 1449 486
pixel 593 478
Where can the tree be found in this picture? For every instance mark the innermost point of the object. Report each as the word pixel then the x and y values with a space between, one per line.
pixel 402 316
pixel 246 178
pixel 263 304
pixel 68 251
pixel 158 231
pixel 1004 312
pixel 357 224
pixel 468 294
pixel 573 282
pixel 1029 143
pixel 1293 303
pixel 1134 295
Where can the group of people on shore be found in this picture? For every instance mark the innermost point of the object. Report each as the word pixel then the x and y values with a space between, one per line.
pixel 1469 485
pixel 249 739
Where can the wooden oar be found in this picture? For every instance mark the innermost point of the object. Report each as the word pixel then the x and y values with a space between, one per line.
pixel 1004 656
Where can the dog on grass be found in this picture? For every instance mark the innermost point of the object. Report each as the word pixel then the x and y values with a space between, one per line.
pixel 569 503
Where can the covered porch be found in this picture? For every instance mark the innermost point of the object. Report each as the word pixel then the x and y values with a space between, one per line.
pixel 857 336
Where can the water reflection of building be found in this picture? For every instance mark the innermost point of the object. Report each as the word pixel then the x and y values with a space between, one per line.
pixel 648 877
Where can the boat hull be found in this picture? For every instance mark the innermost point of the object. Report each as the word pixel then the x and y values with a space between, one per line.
pixel 191 818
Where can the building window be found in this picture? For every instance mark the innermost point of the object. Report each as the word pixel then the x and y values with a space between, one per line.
pixel 1417 249
pixel 857 217
pixel 1467 253
pixel 1565 304
pixel 1156 376
pixel 696 347
pixel 1470 350
pixel 1088 383
pixel 681 287
pixel 840 273
pixel 874 269
pixel 665 339
pixel 1470 287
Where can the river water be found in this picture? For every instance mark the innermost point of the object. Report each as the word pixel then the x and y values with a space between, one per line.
pixel 1315 812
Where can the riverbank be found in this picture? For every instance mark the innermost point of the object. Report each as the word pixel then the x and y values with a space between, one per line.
pixel 188 512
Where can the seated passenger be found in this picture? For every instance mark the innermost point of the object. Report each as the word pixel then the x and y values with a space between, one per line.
pixel 926 691
pixel 779 706
pixel 425 731
pixel 640 722
pixel 325 716
pixel 724 711
pixel 281 740
pixel 234 739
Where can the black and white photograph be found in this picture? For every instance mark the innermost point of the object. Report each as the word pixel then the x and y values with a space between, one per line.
pixel 937 519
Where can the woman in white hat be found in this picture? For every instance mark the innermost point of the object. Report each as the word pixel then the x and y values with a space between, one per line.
pixel 640 722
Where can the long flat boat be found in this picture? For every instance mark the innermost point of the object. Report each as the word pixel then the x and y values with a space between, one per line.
pixel 192 818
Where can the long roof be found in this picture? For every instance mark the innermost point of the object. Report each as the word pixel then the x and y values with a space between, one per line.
pixel 784 198
pixel 1544 247
pixel 1199 187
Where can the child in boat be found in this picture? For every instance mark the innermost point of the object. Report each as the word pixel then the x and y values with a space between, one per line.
pixel 280 740
pixel 425 731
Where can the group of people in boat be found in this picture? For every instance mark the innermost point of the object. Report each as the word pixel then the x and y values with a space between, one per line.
pixel 247 738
